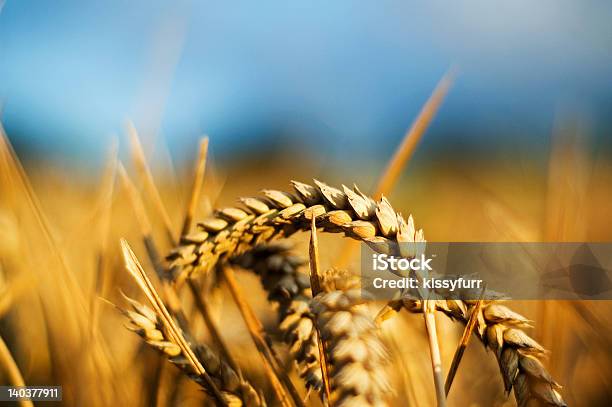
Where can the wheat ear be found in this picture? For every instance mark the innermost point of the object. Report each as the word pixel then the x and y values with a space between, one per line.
pixel 172 338
pixel 517 353
pixel 354 347
pixel 356 354
pixel 233 231
pixel 147 324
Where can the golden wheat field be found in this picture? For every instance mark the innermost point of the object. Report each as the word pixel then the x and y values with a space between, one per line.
pixel 195 197
pixel 202 306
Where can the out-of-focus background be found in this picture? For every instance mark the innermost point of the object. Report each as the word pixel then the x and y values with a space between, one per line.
pixel 337 79
pixel 519 150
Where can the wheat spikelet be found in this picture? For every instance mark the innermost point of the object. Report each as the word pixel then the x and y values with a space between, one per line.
pixel 517 354
pixel 355 352
pixel 289 288
pixel 233 231
pixel 236 391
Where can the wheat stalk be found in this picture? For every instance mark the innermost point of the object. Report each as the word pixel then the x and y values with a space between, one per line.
pixel 403 153
pixel 434 351
pixel 316 281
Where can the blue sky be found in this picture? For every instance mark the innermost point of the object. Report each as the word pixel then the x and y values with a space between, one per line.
pixel 332 74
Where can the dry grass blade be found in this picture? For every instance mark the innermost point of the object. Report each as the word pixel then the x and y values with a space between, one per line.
pixel 143 222
pixel 434 351
pixel 196 187
pixel 15 171
pixel 140 161
pixel 406 149
pixel 174 333
pixel 12 370
pixel 403 153
pixel 133 266
pixel 103 274
pixel 465 338
pixel 169 295
pixel 315 284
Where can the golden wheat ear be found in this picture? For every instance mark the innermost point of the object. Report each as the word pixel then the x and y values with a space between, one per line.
pixel 288 287
pixel 517 354
pixel 170 330
pixel 278 214
pixel 145 322
pixel 356 354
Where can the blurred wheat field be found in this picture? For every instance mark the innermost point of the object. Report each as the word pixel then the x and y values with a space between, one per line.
pixel 62 267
